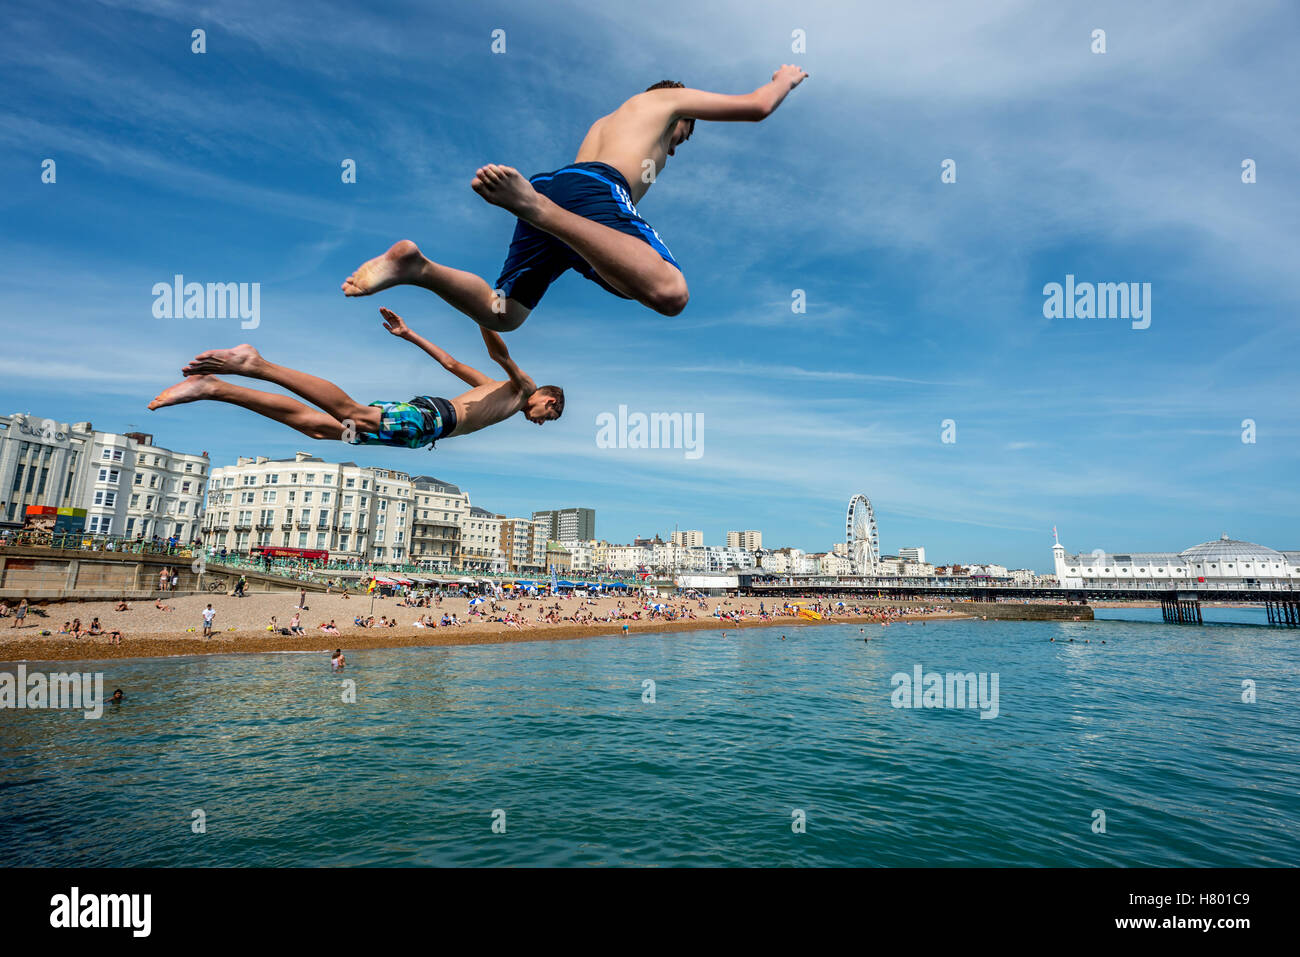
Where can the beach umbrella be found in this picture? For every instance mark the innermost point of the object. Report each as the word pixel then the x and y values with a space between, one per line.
pixel 476 601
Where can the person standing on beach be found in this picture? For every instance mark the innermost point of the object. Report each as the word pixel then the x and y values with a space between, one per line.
pixel 302 599
pixel 208 615
pixel 20 613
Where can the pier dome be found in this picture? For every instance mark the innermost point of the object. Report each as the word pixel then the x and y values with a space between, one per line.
pixel 1230 550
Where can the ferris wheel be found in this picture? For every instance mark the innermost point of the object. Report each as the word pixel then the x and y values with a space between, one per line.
pixel 862 536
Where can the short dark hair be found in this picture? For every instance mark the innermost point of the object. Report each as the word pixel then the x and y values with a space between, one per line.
pixel 556 393
pixel 674 85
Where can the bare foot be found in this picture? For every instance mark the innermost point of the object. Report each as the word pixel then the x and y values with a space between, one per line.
pixel 189 390
pixel 241 360
pixel 503 186
pixel 401 264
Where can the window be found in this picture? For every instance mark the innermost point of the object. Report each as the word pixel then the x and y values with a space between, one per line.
pixel 320 540
pixel 327 479
pixel 324 498
pixel 185 487
pixel 180 508
pixel 250 479
pixel 350 483
pixel 268 496
pixel 139 478
pixel 246 498
pixel 311 478
pixel 153 481
pixel 108 475
pixel 343 542
pixel 106 499
pixel 306 497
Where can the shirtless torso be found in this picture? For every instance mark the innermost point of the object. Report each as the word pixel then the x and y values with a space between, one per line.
pixel 639 130
pixel 487 404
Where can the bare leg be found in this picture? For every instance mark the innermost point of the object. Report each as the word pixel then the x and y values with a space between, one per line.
pixel 292 413
pixel 244 360
pixel 623 261
pixel 404 264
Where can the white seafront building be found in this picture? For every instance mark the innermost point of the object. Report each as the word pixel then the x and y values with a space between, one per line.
pixel 305 502
pixel 1225 561
pixel 127 485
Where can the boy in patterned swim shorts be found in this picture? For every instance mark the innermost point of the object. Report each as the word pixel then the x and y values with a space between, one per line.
pixel 410 425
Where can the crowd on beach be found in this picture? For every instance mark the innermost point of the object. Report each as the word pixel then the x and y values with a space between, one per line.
pixel 414 610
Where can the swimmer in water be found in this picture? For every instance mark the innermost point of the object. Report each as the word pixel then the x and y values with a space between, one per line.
pixel 337 662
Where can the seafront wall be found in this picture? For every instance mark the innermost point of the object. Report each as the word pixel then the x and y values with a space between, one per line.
pixel 44 574
pixel 1014 611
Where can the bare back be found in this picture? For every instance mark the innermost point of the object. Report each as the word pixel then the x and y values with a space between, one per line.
pixel 637 131
pixel 487 404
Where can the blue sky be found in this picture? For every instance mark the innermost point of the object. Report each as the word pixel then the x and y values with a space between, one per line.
pixel 924 298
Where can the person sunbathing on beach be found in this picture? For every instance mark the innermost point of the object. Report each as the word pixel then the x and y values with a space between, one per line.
pixel 121 606
pixel 160 606
pixel 582 216
pixel 413 425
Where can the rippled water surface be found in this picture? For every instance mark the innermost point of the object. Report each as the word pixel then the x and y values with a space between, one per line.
pixel 1149 728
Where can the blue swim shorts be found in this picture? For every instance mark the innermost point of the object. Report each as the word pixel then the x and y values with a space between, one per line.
pixel 595 191
pixel 411 425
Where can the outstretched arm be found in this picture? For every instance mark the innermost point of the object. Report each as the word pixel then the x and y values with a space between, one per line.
pixel 397 326
pixel 752 107
pixel 496 347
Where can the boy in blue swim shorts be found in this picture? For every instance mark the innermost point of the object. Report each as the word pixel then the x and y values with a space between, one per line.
pixel 414 424
pixel 582 216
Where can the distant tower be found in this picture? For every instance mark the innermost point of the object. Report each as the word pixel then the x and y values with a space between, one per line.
pixel 1058 560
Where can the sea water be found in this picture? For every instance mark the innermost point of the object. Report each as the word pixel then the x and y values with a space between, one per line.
pixel 1164 745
